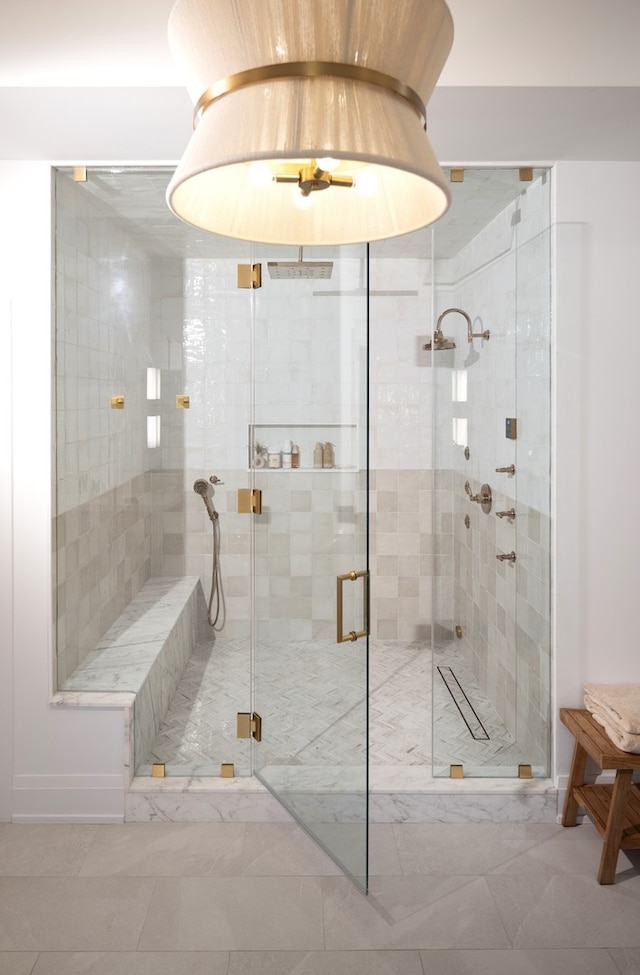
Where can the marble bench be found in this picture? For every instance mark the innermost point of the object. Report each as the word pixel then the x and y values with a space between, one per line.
pixel 145 652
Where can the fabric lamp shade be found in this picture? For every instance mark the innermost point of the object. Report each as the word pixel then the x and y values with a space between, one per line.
pixel 310 117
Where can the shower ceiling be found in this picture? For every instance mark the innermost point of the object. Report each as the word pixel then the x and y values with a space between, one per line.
pixel 136 195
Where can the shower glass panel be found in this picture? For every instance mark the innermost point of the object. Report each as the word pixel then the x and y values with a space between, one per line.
pixel 152 396
pixel 491 635
pixel 170 380
pixel 308 456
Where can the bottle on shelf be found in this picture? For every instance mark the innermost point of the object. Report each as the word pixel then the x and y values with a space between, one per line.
pixel 287 455
pixel 295 456
pixel 327 455
pixel 318 455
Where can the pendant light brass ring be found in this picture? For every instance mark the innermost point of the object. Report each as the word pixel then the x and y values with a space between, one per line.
pixel 308 69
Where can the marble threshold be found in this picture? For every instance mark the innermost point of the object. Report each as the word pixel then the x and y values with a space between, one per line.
pixel 394 797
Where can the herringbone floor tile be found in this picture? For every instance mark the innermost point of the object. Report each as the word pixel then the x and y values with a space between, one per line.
pixel 311 697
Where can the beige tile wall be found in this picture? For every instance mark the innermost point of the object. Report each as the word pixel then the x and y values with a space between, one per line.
pixel 103 556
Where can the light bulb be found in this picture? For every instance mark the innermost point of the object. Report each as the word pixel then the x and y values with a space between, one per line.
pixel 260 174
pixel 327 164
pixel 301 202
pixel 366 183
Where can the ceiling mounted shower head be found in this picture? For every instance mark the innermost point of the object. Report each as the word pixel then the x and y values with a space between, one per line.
pixel 296 270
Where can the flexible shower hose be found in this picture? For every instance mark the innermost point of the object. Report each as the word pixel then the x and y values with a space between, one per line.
pixel 216 595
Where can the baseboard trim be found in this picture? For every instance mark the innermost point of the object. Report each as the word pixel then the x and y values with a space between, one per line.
pixel 98 819
pixel 68 799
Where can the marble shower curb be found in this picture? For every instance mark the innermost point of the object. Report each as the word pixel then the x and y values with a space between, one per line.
pixel 246 800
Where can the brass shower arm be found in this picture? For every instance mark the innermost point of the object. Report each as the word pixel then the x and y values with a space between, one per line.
pixel 470 333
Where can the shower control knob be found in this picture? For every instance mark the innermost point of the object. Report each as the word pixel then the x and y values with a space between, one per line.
pixel 483 498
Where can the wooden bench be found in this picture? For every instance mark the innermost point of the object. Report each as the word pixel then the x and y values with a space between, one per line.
pixel 614 809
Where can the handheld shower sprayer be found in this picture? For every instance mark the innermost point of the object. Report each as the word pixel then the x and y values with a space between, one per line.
pixel 204 489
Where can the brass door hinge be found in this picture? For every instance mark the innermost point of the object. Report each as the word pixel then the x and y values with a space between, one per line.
pixel 249 725
pixel 456 771
pixel 249 501
pixel 525 772
pixel 249 275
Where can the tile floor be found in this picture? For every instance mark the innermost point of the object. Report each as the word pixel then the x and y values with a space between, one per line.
pixel 262 899
pixel 199 732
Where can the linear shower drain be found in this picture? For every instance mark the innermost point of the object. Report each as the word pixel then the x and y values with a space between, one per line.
pixel 476 728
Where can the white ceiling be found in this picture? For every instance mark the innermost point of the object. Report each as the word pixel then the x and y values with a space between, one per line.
pixel 515 43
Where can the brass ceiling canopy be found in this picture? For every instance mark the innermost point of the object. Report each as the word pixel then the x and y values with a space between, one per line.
pixel 295 97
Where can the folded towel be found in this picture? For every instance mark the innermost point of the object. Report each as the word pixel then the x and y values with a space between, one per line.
pixel 619 703
pixel 622 740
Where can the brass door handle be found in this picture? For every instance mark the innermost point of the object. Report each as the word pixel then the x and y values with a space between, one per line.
pixel 352 636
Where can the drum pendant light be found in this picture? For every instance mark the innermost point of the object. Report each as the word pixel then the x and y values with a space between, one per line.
pixel 310 117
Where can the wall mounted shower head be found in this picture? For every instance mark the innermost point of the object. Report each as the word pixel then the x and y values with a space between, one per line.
pixel 471 335
pixel 204 489
pixel 439 340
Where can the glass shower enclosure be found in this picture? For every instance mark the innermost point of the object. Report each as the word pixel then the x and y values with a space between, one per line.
pixel 492 446
pixel 192 368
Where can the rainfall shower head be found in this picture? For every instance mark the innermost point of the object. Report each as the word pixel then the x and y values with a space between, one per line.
pixel 439 343
pixel 295 270
pixel 204 489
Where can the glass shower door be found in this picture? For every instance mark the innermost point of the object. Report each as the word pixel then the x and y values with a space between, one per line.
pixel 308 459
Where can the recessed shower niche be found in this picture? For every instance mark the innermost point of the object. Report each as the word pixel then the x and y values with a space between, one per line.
pixel 308 361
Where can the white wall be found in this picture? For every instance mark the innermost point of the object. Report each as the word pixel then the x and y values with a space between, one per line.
pixel 597 462
pixel 58 764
